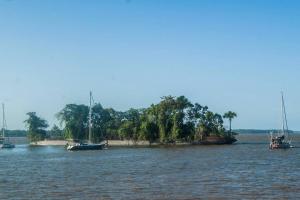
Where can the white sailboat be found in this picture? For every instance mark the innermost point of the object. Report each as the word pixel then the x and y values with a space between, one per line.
pixel 282 139
pixel 87 146
pixel 6 144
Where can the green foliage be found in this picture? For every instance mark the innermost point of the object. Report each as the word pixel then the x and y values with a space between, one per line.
pixel 75 119
pixel 172 119
pixel 55 133
pixel 230 115
pixel 112 128
pixel 105 122
pixel 36 127
pixel 101 123
pixel 130 126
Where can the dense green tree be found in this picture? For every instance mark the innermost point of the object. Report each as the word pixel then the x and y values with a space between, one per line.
pixel 172 119
pixel 130 126
pixel 101 119
pixel 127 130
pixel 56 132
pixel 112 131
pixel 75 119
pixel 36 127
pixel 230 116
pixel 149 129
pixel 105 122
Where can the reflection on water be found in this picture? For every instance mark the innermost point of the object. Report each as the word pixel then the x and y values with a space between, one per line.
pixel 246 170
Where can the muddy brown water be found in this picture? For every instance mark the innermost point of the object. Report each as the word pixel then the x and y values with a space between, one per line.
pixel 245 170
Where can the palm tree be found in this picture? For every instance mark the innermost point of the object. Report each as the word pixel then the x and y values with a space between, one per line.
pixel 230 115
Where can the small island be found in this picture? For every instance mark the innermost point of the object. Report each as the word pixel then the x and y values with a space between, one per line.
pixel 172 121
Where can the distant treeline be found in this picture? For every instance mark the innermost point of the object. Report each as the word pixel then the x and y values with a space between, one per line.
pixel 15 133
pixel 54 133
pixel 172 119
pixel 259 131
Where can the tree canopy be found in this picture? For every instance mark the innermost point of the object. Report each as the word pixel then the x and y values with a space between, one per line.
pixel 55 133
pixel 75 120
pixel 172 119
pixel 230 116
pixel 36 127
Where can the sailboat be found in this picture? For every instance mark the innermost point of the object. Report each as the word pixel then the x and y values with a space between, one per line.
pixel 89 145
pixel 6 144
pixel 281 140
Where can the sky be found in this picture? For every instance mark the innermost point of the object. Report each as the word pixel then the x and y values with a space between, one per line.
pixel 228 55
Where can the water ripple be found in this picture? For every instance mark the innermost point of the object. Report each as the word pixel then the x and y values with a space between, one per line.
pixel 248 170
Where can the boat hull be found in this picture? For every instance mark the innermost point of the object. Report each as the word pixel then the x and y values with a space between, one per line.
pixel 85 147
pixel 280 146
pixel 7 146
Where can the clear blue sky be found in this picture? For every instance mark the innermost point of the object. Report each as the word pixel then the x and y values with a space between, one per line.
pixel 229 55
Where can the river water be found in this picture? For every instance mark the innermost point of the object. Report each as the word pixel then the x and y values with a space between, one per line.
pixel 245 170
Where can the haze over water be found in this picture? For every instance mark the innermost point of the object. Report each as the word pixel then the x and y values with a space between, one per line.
pixel 246 170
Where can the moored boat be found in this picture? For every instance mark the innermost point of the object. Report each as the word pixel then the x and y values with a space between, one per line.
pixel 281 140
pixel 278 142
pixel 5 142
pixel 7 145
pixel 81 146
pixel 85 146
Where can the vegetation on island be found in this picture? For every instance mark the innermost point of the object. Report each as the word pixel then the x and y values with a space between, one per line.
pixel 36 127
pixel 173 119
pixel 230 116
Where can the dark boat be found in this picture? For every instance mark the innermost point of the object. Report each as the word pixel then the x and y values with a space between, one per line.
pixel 8 146
pixel 82 146
pixel 85 146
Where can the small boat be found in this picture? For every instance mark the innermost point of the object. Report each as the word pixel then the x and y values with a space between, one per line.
pixel 81 146
pixel 281 140
pixel 5 142
pixel 85 146
pixel 8 145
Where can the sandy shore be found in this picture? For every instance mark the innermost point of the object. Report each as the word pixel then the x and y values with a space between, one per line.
pixel 51 143
pixel 125 143
pixel 112 143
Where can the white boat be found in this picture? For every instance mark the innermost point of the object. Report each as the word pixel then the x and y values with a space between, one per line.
pixel 282 139
pixel 81 146
pixel 6 143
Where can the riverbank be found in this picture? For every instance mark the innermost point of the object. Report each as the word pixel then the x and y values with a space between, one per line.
pixel 110 143
pixel 131 143
pixel 50 143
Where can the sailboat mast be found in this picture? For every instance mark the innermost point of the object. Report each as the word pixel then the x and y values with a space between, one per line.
pixel 285 124
pixel 90 119
pixel 3 121
pixel 282 115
